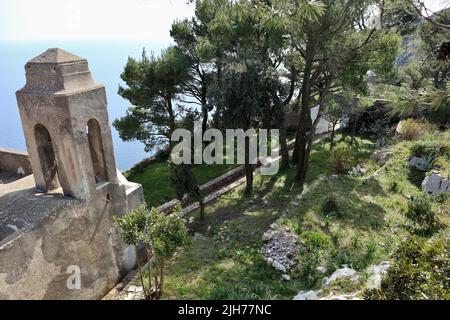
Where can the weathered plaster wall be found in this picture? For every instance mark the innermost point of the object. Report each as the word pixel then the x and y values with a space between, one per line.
pixel 13 160
pixel 42 231
pixel 33 264
pixel 323 126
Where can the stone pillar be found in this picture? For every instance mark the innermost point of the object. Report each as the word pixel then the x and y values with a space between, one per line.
pixel 65 121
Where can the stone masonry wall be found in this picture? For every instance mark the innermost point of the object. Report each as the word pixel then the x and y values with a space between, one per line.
pixel 34 264
pixel 14 161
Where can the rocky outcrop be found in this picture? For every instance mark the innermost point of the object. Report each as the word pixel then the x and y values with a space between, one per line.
pixel 420 164
pixel 281 248
pixel 374 276
pixel 314 295
pixel 376 273
pixel 381 157
pixel 435 184
pixel 307 295
pixel 358 171
pixel 344 273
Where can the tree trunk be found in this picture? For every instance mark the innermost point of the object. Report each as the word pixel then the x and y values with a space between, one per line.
pixel 172 123
pixel 249 178
pixel 312 137
pixel 248 169
pixel 332 136
pixel 202 208
pixel 281 117
pixel 295 153
pixel 355 124
pixel 247 166
pixel 161 278
pixel 205 118
pixel 204 109
pixel 305 115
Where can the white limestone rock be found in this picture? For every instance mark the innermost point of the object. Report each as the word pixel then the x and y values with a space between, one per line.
pixel 280 249
pixel 135 289
pixel 350 296
pixel 399 127
pixel 321 270
pixel 344 273
pixel 278 266
pixel 307 295
pixel 358 171
pixel 435 184
pixel 286 277
pixel 268 235
pixel 420 164
pixel 376 272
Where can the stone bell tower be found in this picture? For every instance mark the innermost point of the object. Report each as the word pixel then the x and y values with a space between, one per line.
pixel 65 121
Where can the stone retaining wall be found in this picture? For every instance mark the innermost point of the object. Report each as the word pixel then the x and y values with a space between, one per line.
pixel 14 161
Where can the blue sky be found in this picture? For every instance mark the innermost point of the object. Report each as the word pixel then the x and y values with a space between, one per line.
pixel 27 20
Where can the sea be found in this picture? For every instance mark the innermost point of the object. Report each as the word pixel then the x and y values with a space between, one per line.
pixel 106 62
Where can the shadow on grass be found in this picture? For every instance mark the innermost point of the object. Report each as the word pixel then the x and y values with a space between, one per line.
pixel 228 262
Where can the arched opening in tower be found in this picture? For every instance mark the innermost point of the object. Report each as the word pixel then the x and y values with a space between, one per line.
pixel 96 149
pixel 46 157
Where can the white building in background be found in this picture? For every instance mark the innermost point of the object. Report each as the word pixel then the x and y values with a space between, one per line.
pixel 323 126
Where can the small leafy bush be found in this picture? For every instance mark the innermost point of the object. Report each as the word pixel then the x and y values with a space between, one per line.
pixel 421 212
pixel 430 148
pixel 420 271
pixel 140 166
pixel 311 256
pixel 372 120
pixel 162 154
pixel 161 235
pixel 442 163
pixel 341 160
pixel 412 130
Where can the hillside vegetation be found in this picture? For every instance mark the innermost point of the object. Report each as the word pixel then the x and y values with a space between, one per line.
pixel 367 225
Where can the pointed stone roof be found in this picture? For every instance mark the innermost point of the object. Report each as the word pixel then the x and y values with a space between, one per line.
pixel 56 56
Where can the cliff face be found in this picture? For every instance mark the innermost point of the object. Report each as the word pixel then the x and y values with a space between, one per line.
pixel 410 50
pixel 411 42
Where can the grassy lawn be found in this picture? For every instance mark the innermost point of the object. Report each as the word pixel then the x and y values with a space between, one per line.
pixel 365 229
pixel 155 180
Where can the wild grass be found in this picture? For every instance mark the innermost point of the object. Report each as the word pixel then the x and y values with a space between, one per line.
pixel 365 227
pixel 156 184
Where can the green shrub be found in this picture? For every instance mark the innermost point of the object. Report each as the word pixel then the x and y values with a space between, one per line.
pixel 311 256
pixel 140 167
pixel 359 256
pixel 412 130
pixel 161 235
pixel 162 154
pixel 341 160
pixel 330 205
pixel 430 148
pixel 421 212
pixel 420 271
